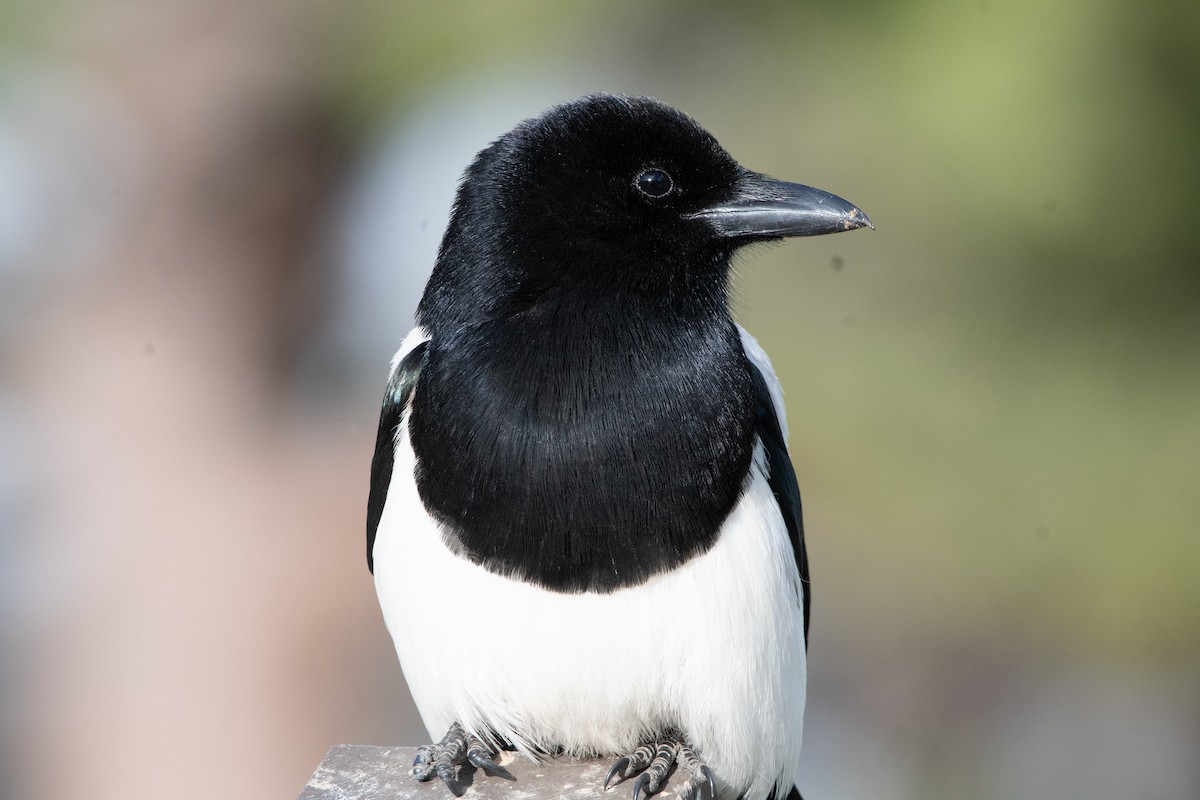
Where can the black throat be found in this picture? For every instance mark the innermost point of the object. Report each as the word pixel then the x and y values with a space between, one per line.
pixel 585 443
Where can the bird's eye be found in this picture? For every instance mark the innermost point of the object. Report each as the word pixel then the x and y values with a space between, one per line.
pixel 654 183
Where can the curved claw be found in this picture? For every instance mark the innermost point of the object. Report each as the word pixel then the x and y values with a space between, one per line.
pixel 618 768
pixel 642 782
pixel 489 766
pixel 701 787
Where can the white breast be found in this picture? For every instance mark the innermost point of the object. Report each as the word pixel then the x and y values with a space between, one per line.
pixel 715 646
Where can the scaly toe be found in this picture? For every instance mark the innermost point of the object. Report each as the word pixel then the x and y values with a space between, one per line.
pixel 655 760
pixel 422 767
pixel 454 750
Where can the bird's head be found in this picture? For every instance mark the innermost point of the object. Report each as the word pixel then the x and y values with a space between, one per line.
pixel 614 197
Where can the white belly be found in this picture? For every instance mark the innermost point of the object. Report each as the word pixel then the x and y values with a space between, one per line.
pixel 715 647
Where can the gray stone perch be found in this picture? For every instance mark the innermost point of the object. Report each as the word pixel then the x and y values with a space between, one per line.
pixel 363 772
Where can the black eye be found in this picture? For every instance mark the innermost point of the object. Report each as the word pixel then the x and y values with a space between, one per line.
pixel 654 183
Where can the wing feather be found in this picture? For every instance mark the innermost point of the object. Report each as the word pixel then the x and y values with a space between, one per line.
pixel 771 426
pixel 406 367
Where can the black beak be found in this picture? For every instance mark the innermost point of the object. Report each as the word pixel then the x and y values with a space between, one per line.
pixel 766 208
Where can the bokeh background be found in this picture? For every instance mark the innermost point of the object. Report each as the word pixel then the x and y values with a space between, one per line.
pixel 215 219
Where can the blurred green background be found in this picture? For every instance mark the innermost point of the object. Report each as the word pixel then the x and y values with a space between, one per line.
pixel 994 398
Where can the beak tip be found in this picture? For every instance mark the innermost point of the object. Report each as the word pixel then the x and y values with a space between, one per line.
pixel 857 219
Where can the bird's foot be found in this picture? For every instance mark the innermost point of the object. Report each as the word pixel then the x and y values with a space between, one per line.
pixel 457 748
pixel 654 761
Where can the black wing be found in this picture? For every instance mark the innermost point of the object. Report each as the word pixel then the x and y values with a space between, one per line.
pixel 399 390
pixel 782 478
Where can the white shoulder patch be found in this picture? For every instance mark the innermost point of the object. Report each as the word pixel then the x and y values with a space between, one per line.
pixel 414 338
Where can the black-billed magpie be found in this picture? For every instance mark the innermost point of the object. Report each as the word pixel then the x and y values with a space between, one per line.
pixel 583 522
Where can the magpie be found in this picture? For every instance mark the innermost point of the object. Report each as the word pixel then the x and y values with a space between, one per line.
pixel 583 523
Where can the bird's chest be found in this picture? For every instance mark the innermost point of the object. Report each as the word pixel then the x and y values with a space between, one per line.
pixel 714 646
pixel 577 470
